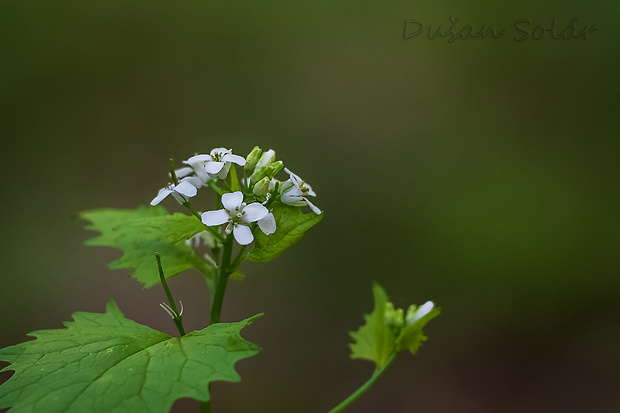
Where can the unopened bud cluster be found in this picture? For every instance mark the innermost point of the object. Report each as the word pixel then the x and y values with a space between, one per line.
pixel 396 318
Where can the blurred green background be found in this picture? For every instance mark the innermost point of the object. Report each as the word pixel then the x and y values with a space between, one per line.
pixel 481 174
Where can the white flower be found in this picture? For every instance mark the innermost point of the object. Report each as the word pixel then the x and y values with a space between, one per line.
pixel 221 160
pixel 295 191
pixel 181 192
pixel 238 215
pixel 213 166
pixel 415 315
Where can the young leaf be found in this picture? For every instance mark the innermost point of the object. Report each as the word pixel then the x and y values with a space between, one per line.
pixel 143 231
pixel 386 331
pixel 411 336
pixel 291 224
pixel 108 363
pixel 374 341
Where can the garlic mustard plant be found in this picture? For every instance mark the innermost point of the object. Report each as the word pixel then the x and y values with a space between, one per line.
pixel 107 363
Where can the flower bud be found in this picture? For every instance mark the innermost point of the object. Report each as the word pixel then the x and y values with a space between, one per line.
pixel 265 171
pixel 393 317
pixel 274 168
pixel 262 187
pixel 252 159
pixel 266 158
pixel 415 313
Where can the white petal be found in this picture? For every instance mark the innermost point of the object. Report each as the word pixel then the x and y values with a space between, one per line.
pixel 223 173
pixel 292 196
pixel 183 172
pixel 214 167
pixel 286 186
pixel 293 200
pixel 233 200
pixel 243 234
pixel 229 157
pixel 198 159
pixel 313 207
pixel 201 173
pixel 164 192
pixel 310 191
pixel 423 310
pixel 186 188
pixel 268 224
pixel 254 212
pixel 180 198
pixel 272 183
pixel 194 180
pixel 220 150
pixel 293 191
pixel 294 178
pixel 211 218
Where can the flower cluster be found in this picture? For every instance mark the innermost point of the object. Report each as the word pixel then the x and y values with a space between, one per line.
pixel 247 203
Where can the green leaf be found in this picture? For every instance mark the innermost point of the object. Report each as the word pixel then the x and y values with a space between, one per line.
pixel 374 341
pixel 143 231
pixel 411 336
pixel 385 332
pixel 291 224
pixel 108 363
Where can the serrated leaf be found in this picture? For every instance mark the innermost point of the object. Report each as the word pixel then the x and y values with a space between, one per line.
pixel 385 332
pixel 374 341
pixel 411 336
pixel 108 363
pixel 143 231
pixel 291 224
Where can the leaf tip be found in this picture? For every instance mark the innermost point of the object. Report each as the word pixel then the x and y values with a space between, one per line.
pixel 251 319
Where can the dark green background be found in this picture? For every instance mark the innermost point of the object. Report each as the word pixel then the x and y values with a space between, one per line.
pixel 481 174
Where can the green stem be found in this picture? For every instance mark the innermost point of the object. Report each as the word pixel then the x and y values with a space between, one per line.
pixel 162 278
pixel 216 188
pixel 173 173
pixel 222 280
pixel 187 204
pixel 375 376
pixel 216 308
pixel 177 318
pixel 227 186
pixel 218 300
pixel 237 259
